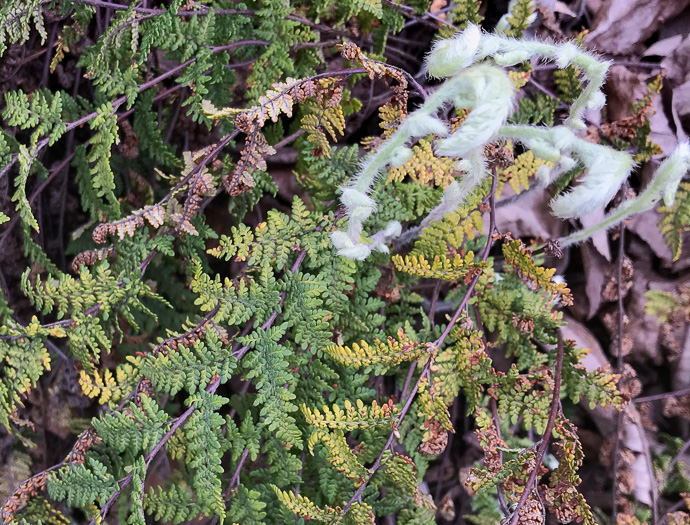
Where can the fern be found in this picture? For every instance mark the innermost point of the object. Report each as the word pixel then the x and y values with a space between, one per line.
pixel 466 12
pixel 274 382
pixel 16 20
pixel 242 360
pixel 676 220
pixel 387 353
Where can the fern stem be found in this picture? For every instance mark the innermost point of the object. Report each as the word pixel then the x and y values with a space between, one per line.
pixel 151 11
pixel 553 413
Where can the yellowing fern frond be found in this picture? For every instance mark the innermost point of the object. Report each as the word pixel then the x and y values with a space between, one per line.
pixel 519 174
pixel 440 268
pixel 432 407
pixel 425 168
pixel 108 388
pixel 340 455
pixel 389 353
pixel 352 417
pixel 324 116
pixel 519 257
pixel 307 509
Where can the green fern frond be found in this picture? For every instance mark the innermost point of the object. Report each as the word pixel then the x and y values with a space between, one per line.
pixel 676 220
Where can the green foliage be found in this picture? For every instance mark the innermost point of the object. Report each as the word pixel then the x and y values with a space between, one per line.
pixel 174 504
pixel 520 18
pixel 465 12
pixel 17 17
pixel 568 84
pixel 667 306
pixel 239 368
pixel 136 430
pixel 274 382
pixel 676 220
pixel 80 485
pixel 538 110
pixel 24 359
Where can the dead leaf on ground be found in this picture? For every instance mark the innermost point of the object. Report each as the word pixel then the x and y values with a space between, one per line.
pixel 644 329
pixel 624 87
pixel 620 27
pixel 646 227
pixel 600 239
pixel 595 267
pixel 528 216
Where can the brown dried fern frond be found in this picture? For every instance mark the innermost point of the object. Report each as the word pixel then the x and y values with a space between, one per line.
pixel 377 69
pixel 200 186
pixel 30 488
pixel 155 215
pixel 253 158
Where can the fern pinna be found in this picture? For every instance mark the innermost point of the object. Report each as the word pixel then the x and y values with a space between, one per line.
pixel 291 368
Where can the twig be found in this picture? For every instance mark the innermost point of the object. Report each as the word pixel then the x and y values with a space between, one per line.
pixel 619 369
pixel 154 12
pixel 434 303
pixel 497 422
pixel 492 215
pixel 553 413
pixel 657 397
pixel 408 380
pixel 234 481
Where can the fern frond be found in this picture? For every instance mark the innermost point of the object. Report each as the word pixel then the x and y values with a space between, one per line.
pixel 15 22
pixel 455 269
pixel 339 455
pixel 425 168
pixel 519 174
pixel 305 508
pixel 465 12
pixel 155 215
pixel 518 256
pixel 387 353
pixel 676 220
pixel 352 417
pixel 108 388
